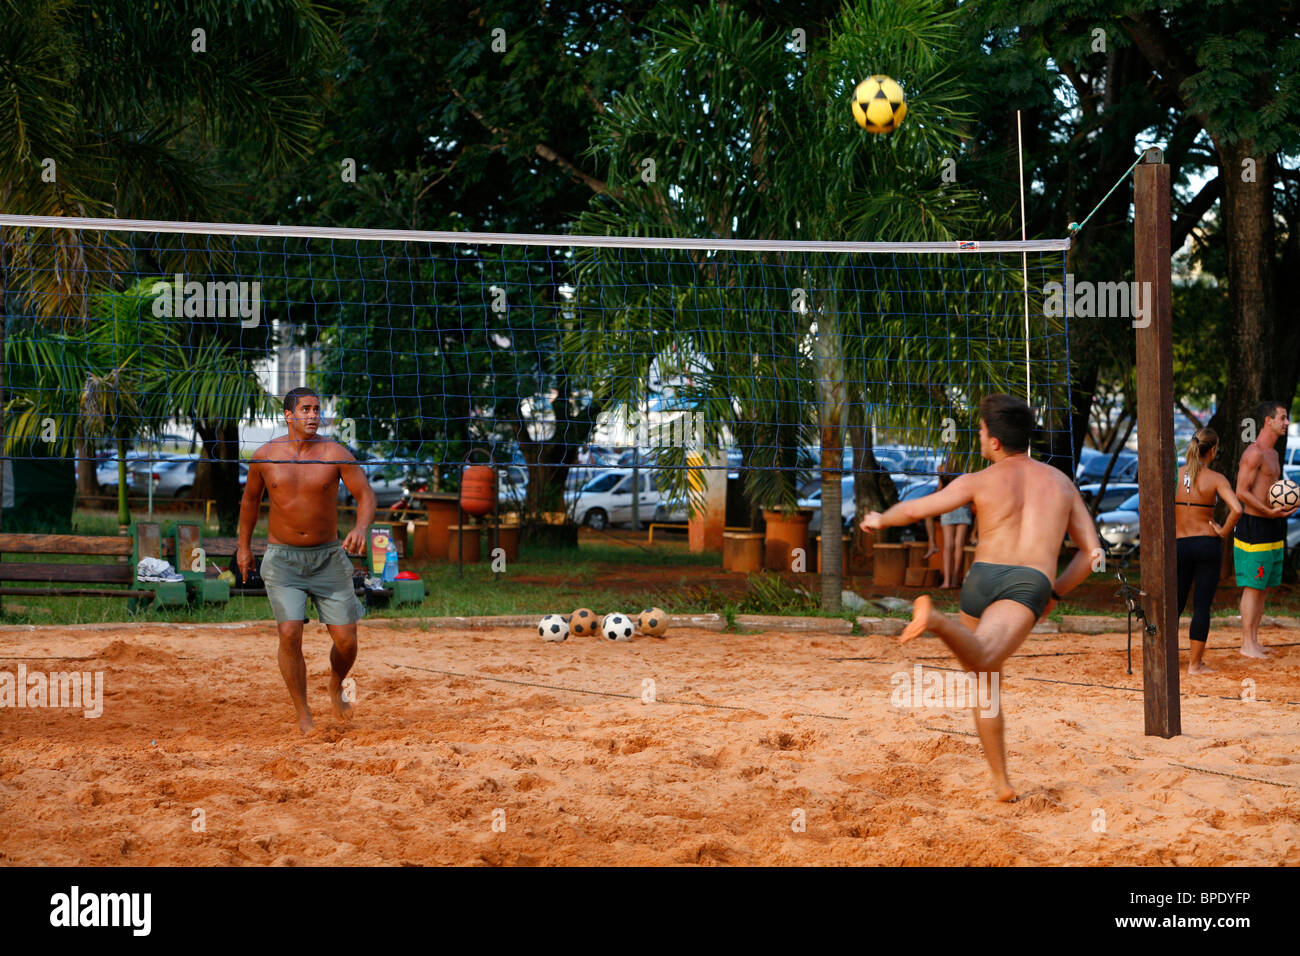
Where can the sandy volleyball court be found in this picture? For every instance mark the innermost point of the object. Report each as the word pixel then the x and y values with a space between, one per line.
pixel 456 755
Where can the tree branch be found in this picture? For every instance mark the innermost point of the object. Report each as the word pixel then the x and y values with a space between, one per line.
pixel 1195 211
pixel 542 150
pixel 1189 414
pixel 1164 54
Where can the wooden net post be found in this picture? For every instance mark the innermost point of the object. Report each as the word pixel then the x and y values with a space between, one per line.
pixel 1157 463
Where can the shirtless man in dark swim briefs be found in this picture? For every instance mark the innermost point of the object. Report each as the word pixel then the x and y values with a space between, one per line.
pixel 1024 509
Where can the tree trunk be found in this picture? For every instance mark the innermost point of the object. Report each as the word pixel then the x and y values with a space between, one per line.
pixel 217 475
pixel 873 489
pixel 87 483
pixel 830 366
pixel 1251 366
pixel 123 510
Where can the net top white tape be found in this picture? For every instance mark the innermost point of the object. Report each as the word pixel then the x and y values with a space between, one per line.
pixel 515 239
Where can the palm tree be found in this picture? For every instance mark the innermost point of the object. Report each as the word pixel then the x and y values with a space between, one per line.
pixel 119 109
pixel 123 375
pixel 752 138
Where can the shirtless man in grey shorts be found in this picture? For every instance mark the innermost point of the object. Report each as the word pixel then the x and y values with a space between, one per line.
pixel 1024 509
pixel 301 471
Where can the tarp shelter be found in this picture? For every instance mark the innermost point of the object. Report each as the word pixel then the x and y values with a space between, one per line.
pixel 39 495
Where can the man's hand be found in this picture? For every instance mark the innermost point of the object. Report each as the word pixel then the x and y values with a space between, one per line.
pixel 355 542
pixel 244 559
pixel 1282 512
pixel 874 521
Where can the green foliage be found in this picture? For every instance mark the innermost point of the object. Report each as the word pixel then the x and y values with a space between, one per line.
pixel 749 138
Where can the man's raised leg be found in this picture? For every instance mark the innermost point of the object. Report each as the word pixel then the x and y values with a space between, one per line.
pixel 342 656
pixel 294 670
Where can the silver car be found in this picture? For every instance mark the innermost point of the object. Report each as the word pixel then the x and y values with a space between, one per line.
pixel 173 478
pixel 387 480
pixel 1119 530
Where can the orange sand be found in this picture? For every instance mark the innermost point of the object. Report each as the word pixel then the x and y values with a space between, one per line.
pixel 430 759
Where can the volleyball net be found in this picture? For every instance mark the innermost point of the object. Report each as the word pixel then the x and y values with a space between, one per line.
pixel 545 351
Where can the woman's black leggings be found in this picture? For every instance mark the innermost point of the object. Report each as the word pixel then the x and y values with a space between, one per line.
pixel 1199 560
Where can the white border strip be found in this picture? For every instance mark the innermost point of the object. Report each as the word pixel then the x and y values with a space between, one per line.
pixel 514 239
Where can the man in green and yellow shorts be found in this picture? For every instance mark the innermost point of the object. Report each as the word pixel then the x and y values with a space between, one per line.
pixel 1259 542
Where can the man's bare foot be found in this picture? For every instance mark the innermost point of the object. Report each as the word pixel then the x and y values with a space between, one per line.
pixel 1200 669
pixel 922 609
pixel 305 723
pixel 1256 651
pixel 342 707
pixel 1006 794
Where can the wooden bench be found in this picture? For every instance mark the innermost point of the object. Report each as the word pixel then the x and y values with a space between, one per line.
pixel 145 542
pixel 118 579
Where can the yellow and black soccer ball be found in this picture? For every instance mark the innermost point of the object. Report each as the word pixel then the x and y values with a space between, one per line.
pixel 879 104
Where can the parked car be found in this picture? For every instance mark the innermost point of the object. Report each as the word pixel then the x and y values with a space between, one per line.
pixel 848 507
pixel 1092 465
pixel 917 489
pixel 387 480
pixel 607 498
pixel 672 512
pixel 1117 492
pixel 579 475
pixel 512 485
pixel 156 464
pixel 1118 529
pixel 106 470
pixel 175 478
pixel 1292 552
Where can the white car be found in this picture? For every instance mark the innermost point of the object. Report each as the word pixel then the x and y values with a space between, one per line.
pixel 607 498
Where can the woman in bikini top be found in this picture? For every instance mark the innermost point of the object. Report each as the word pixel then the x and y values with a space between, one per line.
pixel 1196 492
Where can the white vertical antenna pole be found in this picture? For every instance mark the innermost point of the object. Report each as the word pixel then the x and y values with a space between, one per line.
pixel 1024 257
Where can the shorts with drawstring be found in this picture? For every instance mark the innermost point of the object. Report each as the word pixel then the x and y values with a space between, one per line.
pixel 322 572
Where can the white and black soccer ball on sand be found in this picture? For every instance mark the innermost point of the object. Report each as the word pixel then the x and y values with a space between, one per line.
pixel 617 627
pixel 553 627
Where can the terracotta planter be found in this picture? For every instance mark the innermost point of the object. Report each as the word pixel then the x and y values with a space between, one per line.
pixel 441 513
pixel 784 534
pixel 915 577
pixel 742 551
pixel 466 537
pixel 844 554
pixel 507 539
pixel 888 562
